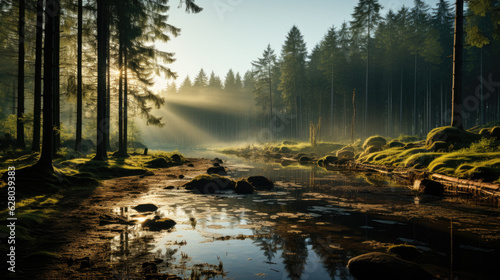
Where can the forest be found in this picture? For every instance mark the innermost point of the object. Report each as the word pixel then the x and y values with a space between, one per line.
pixel 353 152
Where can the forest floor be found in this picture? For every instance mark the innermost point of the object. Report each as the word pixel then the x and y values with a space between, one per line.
pixel 69 232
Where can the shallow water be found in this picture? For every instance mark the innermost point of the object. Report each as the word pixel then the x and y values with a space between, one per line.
pixel 310 225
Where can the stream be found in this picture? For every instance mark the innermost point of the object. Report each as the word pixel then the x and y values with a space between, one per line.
pixel 309 226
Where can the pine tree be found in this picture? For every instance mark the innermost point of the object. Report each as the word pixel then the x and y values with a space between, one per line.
pixel 266 79
pixel 366 16
pixel 37 110
pixel 201 80
pixel 292 85
pixel 214 82
pixel 20 76
pixel 230 82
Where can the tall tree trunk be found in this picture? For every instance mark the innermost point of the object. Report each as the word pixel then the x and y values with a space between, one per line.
pixel 121 149
pixel 102 39
pixel 414 126
pixel 20 77
pixel 125 101
pixel 456 100
pixel 353 122
pixel 108 95
pixel 56 86
pixel 45 161
pixel 79 83
pixel 37 108
pixel 367 77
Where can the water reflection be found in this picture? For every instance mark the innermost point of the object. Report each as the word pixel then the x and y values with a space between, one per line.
pixel 309 226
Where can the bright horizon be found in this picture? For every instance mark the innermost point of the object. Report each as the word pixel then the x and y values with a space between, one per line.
pixel 230 34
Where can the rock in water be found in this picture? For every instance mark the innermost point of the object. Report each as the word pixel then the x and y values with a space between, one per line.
pixel 145 208
pixel 260 183
pixel 219 170
pixel 385 266
pixel 158 224
pixel 429 187
pixel 243 187
pixel 406 252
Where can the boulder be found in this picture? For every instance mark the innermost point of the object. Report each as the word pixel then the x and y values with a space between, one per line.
pixel 321 162
pixel 373 149
pixel 176 158
pixel 345 155
pixel 158 224
pixel 438 146
pixel 209 184
pixel 284 150
pixel 190 165
pixel 396 144
pixel 495 132
pixel 405 252
pixel 217 160
pixel 260 183
pixel 243 187
pixel 376 141
pixel 219 170
pixel 216 164
pixel 330 160
pixel 146 208
pixel 429 187
pixel 158 163
pixel 305 159
pixel 457 138
pixel 386 266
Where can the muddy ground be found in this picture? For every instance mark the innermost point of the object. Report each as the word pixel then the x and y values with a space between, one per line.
pixel 84 244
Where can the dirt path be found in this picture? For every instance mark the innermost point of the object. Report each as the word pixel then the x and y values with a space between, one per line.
pixel 84 243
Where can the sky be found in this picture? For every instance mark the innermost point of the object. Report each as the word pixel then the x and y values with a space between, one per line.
pixel 230 34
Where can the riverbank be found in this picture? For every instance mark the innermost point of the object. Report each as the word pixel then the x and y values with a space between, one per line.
pixel 459 158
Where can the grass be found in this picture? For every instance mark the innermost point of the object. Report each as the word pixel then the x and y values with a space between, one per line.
pixel 478 160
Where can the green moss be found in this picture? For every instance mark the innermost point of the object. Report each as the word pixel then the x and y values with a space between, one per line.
pixel 374 141
pixel 421 160
pixel 453 137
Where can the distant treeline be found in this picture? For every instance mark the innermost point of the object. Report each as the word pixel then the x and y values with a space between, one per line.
pixel 399 65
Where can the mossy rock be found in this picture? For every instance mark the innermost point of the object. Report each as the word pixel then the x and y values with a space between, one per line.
pixel 377 141
pixel 260 182
pixel 330 160
pixel 320 162
pixel 285 150
pixel 176 158
pixel 485 132
pixel 373 149
pixel 386 266
pixel 209 184
pixel 404 251
pixel 439 146
pixel 219 170
pixel 421 160
pixel 345 155
pixel 395 144
pixel 158 224
pixel 455 138
pixel 305 159
pixel 158 163
pixel 495 132
pixel 243 187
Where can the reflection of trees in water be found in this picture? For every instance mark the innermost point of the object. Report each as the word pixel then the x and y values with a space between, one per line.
pixel 294 255
pixel 267 242
pixel 324 246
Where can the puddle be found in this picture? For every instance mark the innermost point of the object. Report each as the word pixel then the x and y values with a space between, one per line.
pixel 308 227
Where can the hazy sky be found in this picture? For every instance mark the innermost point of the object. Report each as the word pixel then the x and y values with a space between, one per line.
pixel 231 33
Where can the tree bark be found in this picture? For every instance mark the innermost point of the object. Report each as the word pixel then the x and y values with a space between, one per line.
pixel 79 83
pixel 456 100
pixel 56 85
pixel 37 108
pixel 45 161
pixel 125 102
pixel 20 77
pixel 101 79
pixel 120 99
